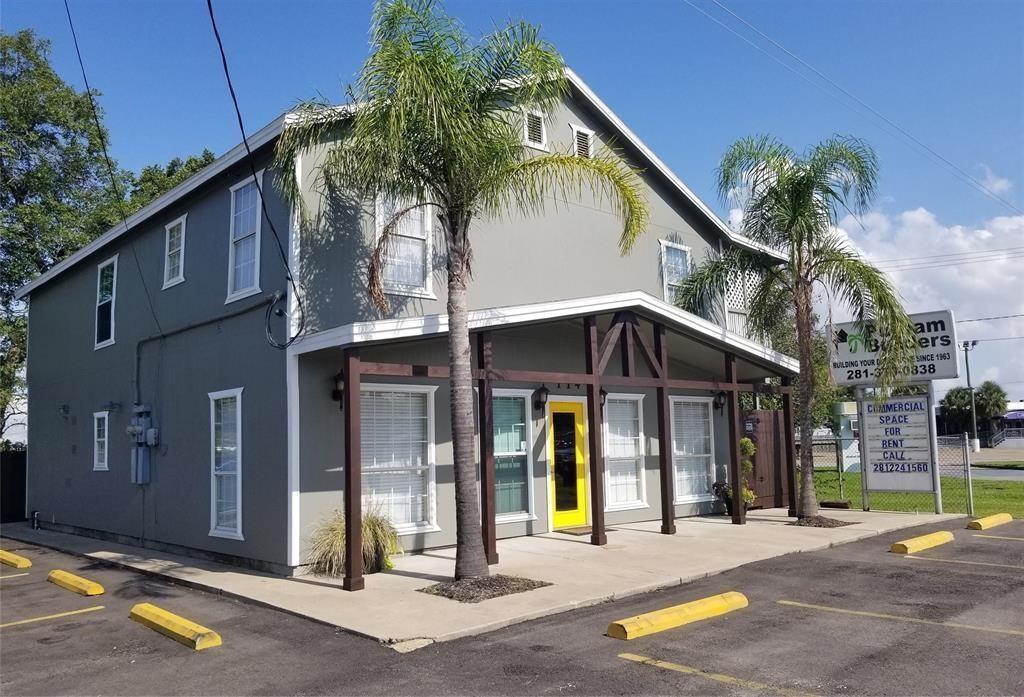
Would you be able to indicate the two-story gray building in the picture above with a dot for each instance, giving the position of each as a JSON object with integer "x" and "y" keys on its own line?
{"x": 600, "y": 402}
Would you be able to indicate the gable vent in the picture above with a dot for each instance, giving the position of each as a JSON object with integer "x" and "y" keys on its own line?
{"x": 583, "y": 143}
{"x": 534, "y": 129}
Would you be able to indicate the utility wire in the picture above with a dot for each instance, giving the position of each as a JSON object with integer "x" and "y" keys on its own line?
{"x": 1002, "y": 338}
{"x": 951, "y": 166}
{"x": 951, "y": 254}
{"x": 110, "y": 167}
{"x": 263, "y": 204}
{"x": 986, "y": 319}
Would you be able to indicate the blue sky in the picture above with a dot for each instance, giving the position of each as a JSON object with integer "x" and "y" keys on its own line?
{"x": 951, "y": 73}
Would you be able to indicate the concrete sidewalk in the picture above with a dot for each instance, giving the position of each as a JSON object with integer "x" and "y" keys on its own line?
{"x": 636, "y": 559}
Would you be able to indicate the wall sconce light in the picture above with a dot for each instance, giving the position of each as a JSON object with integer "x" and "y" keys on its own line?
{"x": 604, "y": 396}
{"x": 64, "y": 410}
{"x": 339, "y": 386}
{"x": 541, "y": 398}
{"x": 111, "y": 406}
{"x": 719, "y": 401}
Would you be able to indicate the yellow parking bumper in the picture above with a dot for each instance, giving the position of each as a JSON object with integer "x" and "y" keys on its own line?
{"x": 916, "y": 544}
{"x": 676, "y": 616}
{"x": 176, "y": 627}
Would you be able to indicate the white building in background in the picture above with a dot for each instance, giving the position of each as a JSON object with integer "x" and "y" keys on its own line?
{"x": 848, "y": 432}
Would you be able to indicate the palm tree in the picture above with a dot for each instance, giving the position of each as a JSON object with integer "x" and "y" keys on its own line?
{"x": 990, "y": 402}
{"x": 792, "y": 204}
{"x": 435, "y": 123}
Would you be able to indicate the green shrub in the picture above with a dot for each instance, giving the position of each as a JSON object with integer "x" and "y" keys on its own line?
{"x": 327, "y": 544}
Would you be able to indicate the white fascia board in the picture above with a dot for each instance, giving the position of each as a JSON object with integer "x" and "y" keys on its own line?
{"x": 635, "y": 141}
{"x": 426, "y": 325}
{"x": 218, "y": 166}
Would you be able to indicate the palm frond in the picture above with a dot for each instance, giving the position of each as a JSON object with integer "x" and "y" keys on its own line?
{"x": 529, "y": 185}
{"x": 702, "y": 292}
{"x": 375, "y": 272}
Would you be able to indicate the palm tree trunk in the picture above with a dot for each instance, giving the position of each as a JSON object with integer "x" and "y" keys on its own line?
{"x": 470, "y": 560}
{"x": 808, "y": 503}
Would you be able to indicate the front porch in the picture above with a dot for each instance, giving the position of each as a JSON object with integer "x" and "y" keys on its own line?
{"x": 674, "y": 379}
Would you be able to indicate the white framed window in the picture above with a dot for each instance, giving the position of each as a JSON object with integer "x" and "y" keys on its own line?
{"x": 397, "y": 435}
{"x": 693, "y": 448}
{"x": 513, "y": 455}
{"x": 408, "y": 257}
{"x": 106, "y": 300}
{"x": 625, "y": 487}
{"x": 174, "y": 252}
{"x": 675, "y": 266}
{"x": 100, "y": 440}
{"x": 244, "y": 239}
{"x": 582, "y": 141}
{"x": 535, "y": 130}
{"x": 226, "y": 464}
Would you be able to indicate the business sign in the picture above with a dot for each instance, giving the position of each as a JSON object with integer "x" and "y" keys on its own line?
{"x": 898, "y": 444}
{"x": 855, "y": 350}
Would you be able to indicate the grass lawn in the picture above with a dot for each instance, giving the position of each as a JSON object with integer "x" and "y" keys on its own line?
{"x": 1007, "y": 465}
{"x": 990, "y": 496}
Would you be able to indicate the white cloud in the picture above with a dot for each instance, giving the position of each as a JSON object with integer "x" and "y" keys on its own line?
{"x": 993, "y": 182}
{"x": 984, "y": 289}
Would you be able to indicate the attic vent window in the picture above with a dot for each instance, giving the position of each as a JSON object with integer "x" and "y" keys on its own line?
{"x": 582, "y": 141}
{"x": 534, "y": 132}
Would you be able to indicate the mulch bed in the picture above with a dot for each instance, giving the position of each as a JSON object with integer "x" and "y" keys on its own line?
{"x": 474, "y": 590}
{"x": 820, "y": 521}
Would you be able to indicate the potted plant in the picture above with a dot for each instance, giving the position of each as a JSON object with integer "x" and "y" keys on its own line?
{"x": 723, "y": 490}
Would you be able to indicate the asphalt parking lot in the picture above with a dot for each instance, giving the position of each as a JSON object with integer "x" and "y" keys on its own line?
{"x": 854, "y": 619}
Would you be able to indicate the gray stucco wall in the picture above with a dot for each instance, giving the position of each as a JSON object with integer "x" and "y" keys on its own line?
{"x": 570, "y": 251}
{"x": 322, "y": 441}
{"x": 176, "y": 376}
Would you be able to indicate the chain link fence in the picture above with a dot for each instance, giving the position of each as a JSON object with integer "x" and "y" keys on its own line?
{"x": 837, "y": 479}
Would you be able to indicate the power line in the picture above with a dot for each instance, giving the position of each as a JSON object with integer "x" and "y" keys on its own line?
{"x": 937, "y": 265}
{"x": 986, "y": 319}
{"x": 110, "y": 167}
{"x": 950, "y": 166}
{"x": 1002, "y": 338}
{"x": 263, "y": 205}
{"x": 951, "y": 254}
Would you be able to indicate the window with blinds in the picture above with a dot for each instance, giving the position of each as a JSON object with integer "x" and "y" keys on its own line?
{"x": 624, "y": 456}
{"x": 226, "y": 463}
{"x": 244, "y": 249}
{"x": 534, "y": 132}
{"x": 396, "y": 449}
{"x": 511, "y": 456}
{"x": 675, "y": 266}
{"x": 407, "y": 266}
{"x": 692, "y": 448}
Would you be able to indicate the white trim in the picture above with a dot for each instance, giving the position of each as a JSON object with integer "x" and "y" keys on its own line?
{"x": 662, "y": 246}
{"x": 429, "y": 390}
{"x": 642, "y": 474}
{"x": 236, "y": 154}
{"x": 255, "y": 287}
{"x": 292, "y": 387}
{"x": 673, "y": 399}
{"x": 426, "y": 325}
{"x": 180, "y": 278}
{"x": 96, "y": 416}
{"x": 635, "y": 141}
{"x": 577, "y": 129}
{"x": 427, "y": 290}
{"x": 215, "y": 531}
{"x": 543, "y": 145}
{"x": 113, "y": 305}
{"x": 549, "y": 466}
{"x": 531, "y": 512}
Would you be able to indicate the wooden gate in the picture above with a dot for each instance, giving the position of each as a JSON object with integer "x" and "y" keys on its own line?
{"x": 769, "y": 481}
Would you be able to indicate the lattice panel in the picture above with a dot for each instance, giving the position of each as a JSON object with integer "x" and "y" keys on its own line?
{"x": 739, "y": 291}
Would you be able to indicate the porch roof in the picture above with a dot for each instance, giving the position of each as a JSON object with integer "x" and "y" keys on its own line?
{"x": 677, "y": 320}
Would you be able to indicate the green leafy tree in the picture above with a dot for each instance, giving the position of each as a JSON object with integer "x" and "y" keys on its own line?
{"x": 989, "y": 402}
{"x": 956, "y": 409}
{"x": 435, "y": 125}
{"x": 55, "y": 189}
{"x": 793, "y": 202}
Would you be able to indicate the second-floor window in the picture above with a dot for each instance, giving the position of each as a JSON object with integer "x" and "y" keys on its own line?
{"x": 174, "y": 252}
{"x": 106, "y": 297}
{"x": 407, "y": 259}
{"x": 675, "y": 266}
{"x": 244, "y": 252}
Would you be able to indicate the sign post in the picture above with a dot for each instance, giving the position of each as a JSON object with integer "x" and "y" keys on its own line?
{"x": 898, "y": 443}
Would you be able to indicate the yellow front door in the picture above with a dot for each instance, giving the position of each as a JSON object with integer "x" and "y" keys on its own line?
{"x": 568, "y": 465}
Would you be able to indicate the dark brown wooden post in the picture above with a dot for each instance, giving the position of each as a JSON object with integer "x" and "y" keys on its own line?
{"x": 790, "y": 459}
{"x": 666, "y": 470}
{"x": 595, "y": 430}
{"x": 628, "y": 352}
{"x": 739, "y": 512}
{"x": 487, "y": 512}
{"x": 353, "y": 580}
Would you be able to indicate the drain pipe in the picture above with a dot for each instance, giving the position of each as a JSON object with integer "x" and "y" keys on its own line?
{"x": 266, "y": 300}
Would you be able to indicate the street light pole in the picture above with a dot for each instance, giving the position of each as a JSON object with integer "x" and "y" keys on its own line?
{"x": 968, "y": 346}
